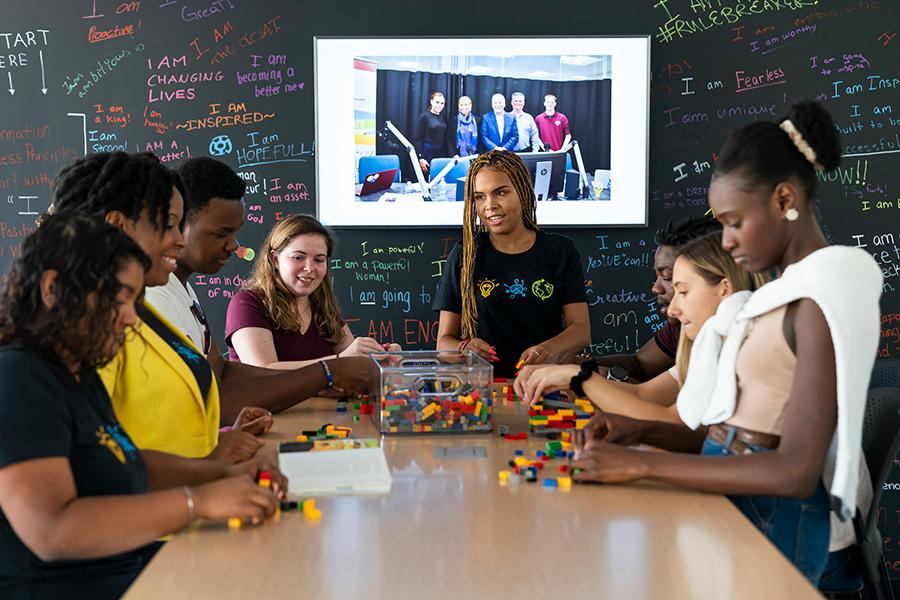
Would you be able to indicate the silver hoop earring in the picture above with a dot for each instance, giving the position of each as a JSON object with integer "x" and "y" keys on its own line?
{"x": 791, "y": 214}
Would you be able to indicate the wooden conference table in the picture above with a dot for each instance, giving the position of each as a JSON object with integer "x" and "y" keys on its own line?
{"x": 449, "y": 530}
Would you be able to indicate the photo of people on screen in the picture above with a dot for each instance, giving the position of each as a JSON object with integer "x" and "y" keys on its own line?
{"x": 466, "y": 129}
{"x": 498, "y": 128}
{"x": 421, "y": 149}
{"x": 431, "y": 131}
{"x": 553, "y": 125}
{"x": 529, "y": 139}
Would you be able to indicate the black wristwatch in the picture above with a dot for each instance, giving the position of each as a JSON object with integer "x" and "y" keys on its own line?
{"x": 617, "y": 374}
{"x": 588, "y": 368}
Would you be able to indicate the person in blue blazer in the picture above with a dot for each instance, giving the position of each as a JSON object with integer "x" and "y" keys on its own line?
{"x": 490, "y": 126}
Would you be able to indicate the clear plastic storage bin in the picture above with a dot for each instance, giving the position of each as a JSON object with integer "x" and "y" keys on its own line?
{"x": 431, "y": 391}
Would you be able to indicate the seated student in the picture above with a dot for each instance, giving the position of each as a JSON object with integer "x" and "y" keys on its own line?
{"x": 287, "y": 315}
{"x": 658, "y": 354}
{"x": 510, "y": 292}
{"x": 80, "y": 506}
{"x": 213, "y": 215}
{"x": 161, "y": 387}
{"x": 498, "y": 128}
{"x": 780, "y": 378}
{"x": 703, "y": 275}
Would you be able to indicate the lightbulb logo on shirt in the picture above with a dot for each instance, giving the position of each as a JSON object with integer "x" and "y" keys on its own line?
{"x": 486, "y": 286}
{"x": 542, "y": 288}
{"x": 116, "y": 441}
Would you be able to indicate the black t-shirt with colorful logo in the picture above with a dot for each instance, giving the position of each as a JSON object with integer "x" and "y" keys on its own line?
{"x": 519, "y": 296}
{"x": 45, "y": 413}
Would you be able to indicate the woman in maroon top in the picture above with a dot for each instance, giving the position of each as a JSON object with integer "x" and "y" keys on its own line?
{"x": 287, "y": 315}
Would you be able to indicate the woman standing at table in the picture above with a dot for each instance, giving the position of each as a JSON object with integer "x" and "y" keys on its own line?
{"x": 431, "y": 131}
{"x": 780, "y": 380}
{"x": 79, "y": 503}
{"x": 510, "y": 292}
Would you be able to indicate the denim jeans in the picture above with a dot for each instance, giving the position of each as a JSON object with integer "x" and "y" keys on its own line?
{"x": 798, "y": 528}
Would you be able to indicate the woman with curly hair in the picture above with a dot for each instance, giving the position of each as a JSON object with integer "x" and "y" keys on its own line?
{"x": 161, "y": 386}
{"x": 80, "y": 504}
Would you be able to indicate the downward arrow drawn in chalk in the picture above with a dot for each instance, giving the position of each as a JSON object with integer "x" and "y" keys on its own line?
{"x": 12, "y": 90}
{"x": 43, "y": 81}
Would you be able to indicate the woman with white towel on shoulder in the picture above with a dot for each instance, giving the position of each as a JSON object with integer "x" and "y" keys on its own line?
{"x": 774, "y": 397}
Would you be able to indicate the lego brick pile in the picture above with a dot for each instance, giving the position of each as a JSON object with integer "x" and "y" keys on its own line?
{"x": 552, "y": 416}
{"x": 406, "y": 410}
{"x": 325, "y": 432}
{"x": 527, "y": 469}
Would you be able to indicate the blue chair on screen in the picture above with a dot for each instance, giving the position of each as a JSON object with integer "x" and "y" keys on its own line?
{"x": 378, "y": 163}
{"x": 459, "y": 169}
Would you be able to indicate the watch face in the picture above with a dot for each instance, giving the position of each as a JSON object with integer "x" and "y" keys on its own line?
{"x": 618, "y": 373}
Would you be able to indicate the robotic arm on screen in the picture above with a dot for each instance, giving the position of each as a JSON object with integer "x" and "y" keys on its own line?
{"x": 585, "y": 182}
{"x": 413, "y": 157}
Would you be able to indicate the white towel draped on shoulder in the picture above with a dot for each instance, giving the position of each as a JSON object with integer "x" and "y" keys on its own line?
{"x": 846, "y": 285}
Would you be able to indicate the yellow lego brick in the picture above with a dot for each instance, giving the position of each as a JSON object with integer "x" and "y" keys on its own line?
{"x": 234, "y": 523}
{"x": 301, "y": 438}
{"x": 428, "y": 428}
{"x": 564, "y": 483}
{"x": 385, "y": 413}
{"x": 566, "y": 412}
{"x": 478, "y": 408}
{"x": 580, "y": 423}
{"x": 504, "y": 475}
{"x": 521, "y": 461}
{"x": 312, "y": 515}
{"x": 566, "y": 446}
{"x": 392, "y": 429}
{"x": 565, "y": 436}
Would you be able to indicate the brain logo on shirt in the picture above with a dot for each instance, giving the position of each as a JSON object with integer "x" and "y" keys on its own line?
{"x": 542, "y": 288}
{"x": 516, "y": 289}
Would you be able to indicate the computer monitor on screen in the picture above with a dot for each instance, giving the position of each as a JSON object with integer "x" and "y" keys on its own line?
{"x": 548, "y": 172}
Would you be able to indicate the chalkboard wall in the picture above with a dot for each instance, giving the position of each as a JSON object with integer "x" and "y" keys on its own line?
{"x": 180, "y": 78}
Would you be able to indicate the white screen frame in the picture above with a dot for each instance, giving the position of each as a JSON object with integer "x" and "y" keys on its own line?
{"x": 336, "y": 203}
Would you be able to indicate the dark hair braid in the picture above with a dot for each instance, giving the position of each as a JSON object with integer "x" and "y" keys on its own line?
{"x": 131, "y": 183}
{"x": 679, "y": 233}
{"x": 765, "y": 154}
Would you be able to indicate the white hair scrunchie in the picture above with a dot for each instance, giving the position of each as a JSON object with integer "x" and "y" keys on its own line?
{"x": 797, "y": 138}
